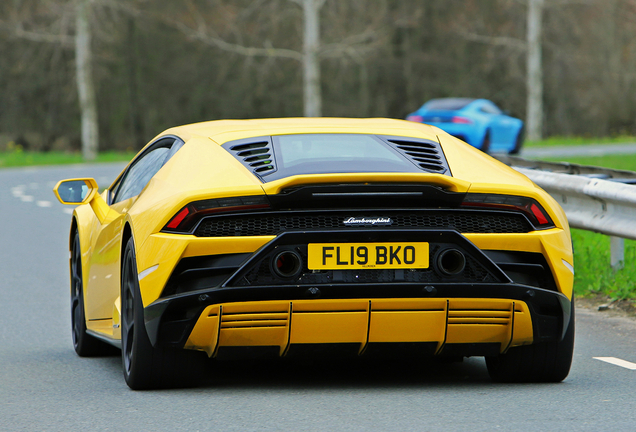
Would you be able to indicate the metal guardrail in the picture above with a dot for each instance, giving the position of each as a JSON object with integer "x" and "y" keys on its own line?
{"x": 595, "y": 199}
{"x": 621, "y": 176}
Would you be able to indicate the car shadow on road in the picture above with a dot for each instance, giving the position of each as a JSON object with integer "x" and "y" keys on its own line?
{"x": 344, "y": 373}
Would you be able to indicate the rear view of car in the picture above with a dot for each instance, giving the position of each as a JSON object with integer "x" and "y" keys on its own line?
{"x": 478, "y": 122}
{"x": 343, "y": 237}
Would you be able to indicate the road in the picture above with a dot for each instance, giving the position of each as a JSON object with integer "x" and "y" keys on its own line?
{"x": 44, "y": 386}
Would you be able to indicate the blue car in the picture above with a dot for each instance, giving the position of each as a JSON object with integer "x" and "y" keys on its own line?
{"x": 479, "y": 122}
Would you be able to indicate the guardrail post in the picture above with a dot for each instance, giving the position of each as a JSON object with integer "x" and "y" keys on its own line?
{"x": 617, "y": 250}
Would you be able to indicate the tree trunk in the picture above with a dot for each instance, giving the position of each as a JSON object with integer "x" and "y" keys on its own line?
{"x": 311, "y": 63}
{"x": 85, "y": 88}
{"x": 534, "y": 110}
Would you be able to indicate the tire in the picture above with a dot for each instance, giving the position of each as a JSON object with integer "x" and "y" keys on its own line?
{"x": 541, "y": 362}
{"x": 85, "y": 345}
{"x": 147, "y": 367}
{"x": 485, "y": 144}
{"x": 519, "y": 141}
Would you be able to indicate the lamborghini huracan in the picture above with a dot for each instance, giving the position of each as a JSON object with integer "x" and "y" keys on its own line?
{"x": 318, "y": 236}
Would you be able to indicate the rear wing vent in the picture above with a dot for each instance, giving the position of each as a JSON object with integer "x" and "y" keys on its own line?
{"x": 255, "y": 153}
{"x": 426, "y": 154}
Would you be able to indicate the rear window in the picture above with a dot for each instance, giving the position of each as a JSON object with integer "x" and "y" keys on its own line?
{"x": 450, "y": 104}
{"x": 275, "y": 157}
{"x": 336, "y": 153}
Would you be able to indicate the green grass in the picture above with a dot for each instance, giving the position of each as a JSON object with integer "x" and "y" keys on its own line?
{"x": 17, "y": 158}
{"x": 622, "y": 162}
{"x": 574, "y": 141}
{"x": 593, "y": 275}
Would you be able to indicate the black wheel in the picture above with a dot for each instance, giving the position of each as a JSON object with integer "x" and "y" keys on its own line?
{"x": 145, "y": 366}
{"x": 541, "y": 362}
{"x": 485, "y": 144}
{"x": 85, "y": 345}
{"x": 519, "y": 141}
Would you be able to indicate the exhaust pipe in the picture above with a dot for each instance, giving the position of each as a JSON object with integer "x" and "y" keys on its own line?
{"x": 451, "y": 262}
{"x": 287, "y": 264}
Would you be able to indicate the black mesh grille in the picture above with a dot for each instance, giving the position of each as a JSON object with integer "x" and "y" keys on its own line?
{"x": 465, "y": 221}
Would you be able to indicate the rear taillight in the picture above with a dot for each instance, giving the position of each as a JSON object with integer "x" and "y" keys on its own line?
{"x": 188, "y": 216}
{"x": 415, "y": 118}
{"x": 528, "y": 206}
{"x": 461, "y": 120}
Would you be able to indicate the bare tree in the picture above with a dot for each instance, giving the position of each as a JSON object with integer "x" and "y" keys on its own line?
{"x": 59, "y": 32}
{"x": 84, "y": 77}
{"x": 311, "y": 62}
{"x": 309, "y": 57}
{"x": 534, "y": 73}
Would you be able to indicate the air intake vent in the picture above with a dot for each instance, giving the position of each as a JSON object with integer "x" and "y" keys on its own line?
{"x": 426, "y": 154}
{"x": 255, "y": 153}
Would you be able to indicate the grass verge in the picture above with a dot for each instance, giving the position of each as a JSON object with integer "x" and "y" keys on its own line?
{"x": 593, "y": 275}
{"x": 575, "y": 141}
{"x": 622, "y": 162}
{"x": 23, "y": 158}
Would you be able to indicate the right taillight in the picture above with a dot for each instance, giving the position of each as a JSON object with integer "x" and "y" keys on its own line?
{"x": 188, "y": 216}
{"x": 528, "y": 206}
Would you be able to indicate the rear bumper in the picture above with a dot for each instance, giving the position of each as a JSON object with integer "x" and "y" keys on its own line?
{"x": 441, "y": 319}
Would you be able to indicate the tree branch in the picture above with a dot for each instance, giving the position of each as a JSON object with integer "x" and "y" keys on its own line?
{"x": 506, "y": 41}
{"x": 357, "y": 43}
{"x": 202, "y": 35}
{"x": 36, "y": 36}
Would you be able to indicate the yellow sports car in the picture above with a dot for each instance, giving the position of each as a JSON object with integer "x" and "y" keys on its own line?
{"x": 289, "y": 237}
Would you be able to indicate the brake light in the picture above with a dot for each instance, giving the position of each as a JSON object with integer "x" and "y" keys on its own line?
{"x": 461, "y": 120}
{"x": 188, "y": 216}
{"x": 415, "y": 118}
{"x": 528, "y": 206}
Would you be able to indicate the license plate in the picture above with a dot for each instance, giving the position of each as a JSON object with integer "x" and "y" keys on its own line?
{"x": 338, "y": 256}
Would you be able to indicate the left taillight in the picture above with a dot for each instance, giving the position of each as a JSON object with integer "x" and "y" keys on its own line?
{"x": 528, "y": 206}
{"x": 186, "y": 218}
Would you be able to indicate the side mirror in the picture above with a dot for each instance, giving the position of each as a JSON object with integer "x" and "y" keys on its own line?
{"x": 76, "y": 191}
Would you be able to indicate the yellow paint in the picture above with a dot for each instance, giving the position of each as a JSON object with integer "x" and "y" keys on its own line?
{"x": 267, "y": 323}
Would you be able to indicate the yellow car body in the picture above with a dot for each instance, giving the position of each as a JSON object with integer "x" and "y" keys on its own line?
{"x": 444, "y": 316}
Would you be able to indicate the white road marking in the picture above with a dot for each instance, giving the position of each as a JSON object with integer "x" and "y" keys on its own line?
{"x": 618, "y": 362}
{"x": 68, "y": 210}
{"x": 18, "y": 191}
{"x": 26, "y": 198}
{"x": 43, "y": 203}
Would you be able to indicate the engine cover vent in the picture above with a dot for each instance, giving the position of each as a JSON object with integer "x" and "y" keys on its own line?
{"x": 426, "y": 154}
{"x": 256, "y": 154}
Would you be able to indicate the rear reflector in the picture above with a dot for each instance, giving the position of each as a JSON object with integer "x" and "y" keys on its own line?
{"x": 178, "y": 218}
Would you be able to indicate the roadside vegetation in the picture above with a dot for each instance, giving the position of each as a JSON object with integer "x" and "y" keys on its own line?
{"x": 16, "y": 157}
{"x": 577, "y": 140}
{"x": 621, "y": 162}
{"x": 593, "y": 275}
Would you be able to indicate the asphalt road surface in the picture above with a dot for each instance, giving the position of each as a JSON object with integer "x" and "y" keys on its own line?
{"x": 45, "y": 386}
